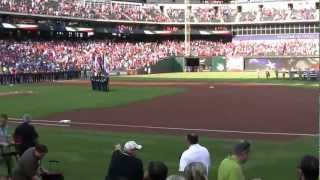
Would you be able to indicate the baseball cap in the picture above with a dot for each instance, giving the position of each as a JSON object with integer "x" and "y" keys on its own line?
{"x": 131, "y": 145}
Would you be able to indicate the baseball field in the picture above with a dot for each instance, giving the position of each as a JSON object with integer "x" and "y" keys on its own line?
{"x": 279, "y": 117}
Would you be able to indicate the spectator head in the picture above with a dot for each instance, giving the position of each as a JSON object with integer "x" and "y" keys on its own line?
{"x": 3, "y": 120}
{"x": 242, "y": 151}
{"x": 195, "y": 171}
{"x": 40, "y": 150}
{"x": 309, "y": 168}
{"x": 26, "y": 118}
{"x": 131, "y": 147}
{"x": 157, "y": 171}
{"x": 192, "y": 138}
{"x": 175, "y": 177}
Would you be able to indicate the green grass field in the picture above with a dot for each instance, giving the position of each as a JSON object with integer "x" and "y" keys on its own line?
{"x": 84, "y": 154}
{"x": 50, "y": 99}
{"x": 237, "y": 77}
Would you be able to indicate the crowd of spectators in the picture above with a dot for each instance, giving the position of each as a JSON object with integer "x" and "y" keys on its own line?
{"x": 279, "y": 14}
{"x": 216, "y": 14}
{"x": 79, "y": 8}
{"x": 194, "y": 164}
{"x": 52, "y": 56}
{"x": 231, "y": 14}
{"x": 152, "y": 13}
{"x": 30, "y": 56}
{"x": 176, "y": 14}
{"x": 282, "y": 48}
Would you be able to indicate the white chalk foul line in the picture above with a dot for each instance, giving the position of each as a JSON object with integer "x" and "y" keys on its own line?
{"x": 56, "y": 123}
{"x": 44, "y": 124}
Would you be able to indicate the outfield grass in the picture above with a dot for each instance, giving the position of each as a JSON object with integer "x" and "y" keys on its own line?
{"x": 84, "y": 155}
{"x": 50, "y": 99}
{"x": 238, "y": 77}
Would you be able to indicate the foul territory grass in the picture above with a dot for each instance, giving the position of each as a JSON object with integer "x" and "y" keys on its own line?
{"x": 50, "y": 99}
{"x": 237, "y": 77}
{"x": 85, "y": 155}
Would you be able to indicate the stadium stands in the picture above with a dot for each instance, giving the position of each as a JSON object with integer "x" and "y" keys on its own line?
{"x": 31, "y": 56}
{"x": 268, "y": 12}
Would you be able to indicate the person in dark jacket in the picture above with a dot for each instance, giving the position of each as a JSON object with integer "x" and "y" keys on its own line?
{"x": 124, "y": 164}
{"x": 25, "y": 135}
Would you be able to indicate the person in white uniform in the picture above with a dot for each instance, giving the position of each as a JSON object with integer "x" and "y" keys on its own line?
{"x": 195, "y": 153}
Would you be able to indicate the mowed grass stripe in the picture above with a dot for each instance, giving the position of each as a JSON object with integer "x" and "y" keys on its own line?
{"x": 223, "y": 77}
{"x": 50, "y": 99}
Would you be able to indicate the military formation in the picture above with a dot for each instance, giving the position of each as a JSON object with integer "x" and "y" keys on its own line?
{"x": 100, "y": 83}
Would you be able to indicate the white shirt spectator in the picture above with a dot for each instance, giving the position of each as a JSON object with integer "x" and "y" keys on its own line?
{"x": 195, "y": 153}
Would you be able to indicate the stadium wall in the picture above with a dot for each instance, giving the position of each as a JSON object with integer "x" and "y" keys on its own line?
{"x": 281, "y": 63}
{"x": 240, "y": 63}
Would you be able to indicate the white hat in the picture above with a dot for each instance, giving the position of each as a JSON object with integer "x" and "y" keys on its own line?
{"x": 131, "y": 145}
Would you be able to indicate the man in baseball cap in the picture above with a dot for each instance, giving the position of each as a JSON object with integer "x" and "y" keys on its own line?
{"x": 131, "y": 146}
{"x": 124, "y": 164}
